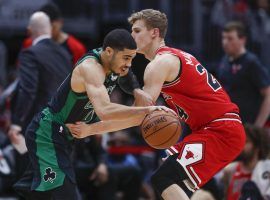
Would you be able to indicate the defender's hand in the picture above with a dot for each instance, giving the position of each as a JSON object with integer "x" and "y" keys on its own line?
{"x": 162, "y": 108}
{"x": 142, "y": 98}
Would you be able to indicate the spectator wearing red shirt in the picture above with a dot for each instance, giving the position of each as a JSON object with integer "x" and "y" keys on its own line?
{"x": 74, "y": 47}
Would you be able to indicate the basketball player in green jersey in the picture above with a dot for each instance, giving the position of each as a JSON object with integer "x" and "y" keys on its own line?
{"x": 83, "y": 96}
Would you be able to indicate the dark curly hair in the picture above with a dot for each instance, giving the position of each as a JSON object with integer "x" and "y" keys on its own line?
{"x": 260, "y": 139}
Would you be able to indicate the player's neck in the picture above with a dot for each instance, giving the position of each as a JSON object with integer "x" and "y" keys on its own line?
{"x": 151, "y": 53}
{"x": 105, "y": 63}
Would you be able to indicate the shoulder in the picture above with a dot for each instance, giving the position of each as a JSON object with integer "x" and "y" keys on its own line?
{"x": 28, "y": 53}
{"x": 252, "y": 59}
{"x": 254, "y": 63}
{"x": 90, "y": 68}
{"x": 251, "y": 56}
{"x": 44, "y": 45}
{"x": 48, "y": 49}
{"x": 167, "y": 58}
{"x": 90, "y": 64}
{"x": 163, "y": 68}
{"x": 164, "y": 60}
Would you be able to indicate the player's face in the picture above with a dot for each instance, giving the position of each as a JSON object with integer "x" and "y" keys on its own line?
{"x": 232, "y": 43}
{"x": 142, "y": 36}
{"x": 120, "y": 61}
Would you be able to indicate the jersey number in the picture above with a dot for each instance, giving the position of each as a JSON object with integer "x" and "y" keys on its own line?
{"x": 181, "y": 112}
{"x": 211, "y": 81}
{"x": 89, "y": 116}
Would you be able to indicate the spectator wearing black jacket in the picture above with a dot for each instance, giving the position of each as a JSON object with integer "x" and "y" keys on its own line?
{"x": 42, "y": 68}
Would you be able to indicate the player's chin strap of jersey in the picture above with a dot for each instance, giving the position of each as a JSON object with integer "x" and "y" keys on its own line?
{"x": 128, "y": 83}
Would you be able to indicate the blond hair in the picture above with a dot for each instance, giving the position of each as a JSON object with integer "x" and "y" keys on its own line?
{"x": 153, "y": 19}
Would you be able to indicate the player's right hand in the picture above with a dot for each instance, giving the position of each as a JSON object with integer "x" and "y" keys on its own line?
{"x": 162, "y": 108}
{"x": 142, "y": 98}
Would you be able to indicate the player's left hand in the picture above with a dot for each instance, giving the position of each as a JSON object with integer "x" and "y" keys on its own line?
{"x": 79, "y": 129}
{"x": 142, "y": 98}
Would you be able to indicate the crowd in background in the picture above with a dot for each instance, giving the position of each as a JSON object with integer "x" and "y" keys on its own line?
{"x": 234, "y": 45}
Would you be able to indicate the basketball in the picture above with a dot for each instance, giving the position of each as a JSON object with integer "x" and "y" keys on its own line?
{"x": 161, "y": 129}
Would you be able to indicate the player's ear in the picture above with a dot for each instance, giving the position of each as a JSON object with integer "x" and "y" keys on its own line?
{"x": 109, "y": 51}
{"x": 155, "y": 32}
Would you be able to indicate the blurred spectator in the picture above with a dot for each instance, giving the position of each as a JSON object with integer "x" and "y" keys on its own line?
{"x": 124, "y": 169}
{"x": 89, "y": 157}
{"x": 42, "y": 68}
{"x": 250, "y": 191}
{"x": 239, "y": 172}
{"x": 74, "y": 47}
{"x": 7, "y": 163}
{"x": 228, "y": 10}
{"x": 3, "y": 58}
{"x": 112, "y": 175}
{"x": 243, "y": 76}
{"x": 261, "y": 176}
{"x": 213, "y": 188}
{"x": 220, "y": 13}
{"x": 260, "y": 29}
{"x": 202, "y": 195}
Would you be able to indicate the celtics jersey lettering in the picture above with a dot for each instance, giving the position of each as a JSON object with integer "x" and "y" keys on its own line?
{"x": 69, "y": 106}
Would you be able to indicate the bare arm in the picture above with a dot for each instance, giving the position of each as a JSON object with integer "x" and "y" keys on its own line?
{"x": 114, "y": 116}
{"x": 93, "y": 78}
{"x": 142, "y": 98}
{"x": 265, "y": 107}
{"x": 82, "y": 130}
{"x": 161, "y": 69}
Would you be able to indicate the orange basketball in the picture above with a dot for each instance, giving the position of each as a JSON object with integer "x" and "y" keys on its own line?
{"x": 161, "y": 129}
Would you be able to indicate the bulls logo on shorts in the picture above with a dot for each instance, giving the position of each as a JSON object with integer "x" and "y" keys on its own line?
{"x": 191, "y": 154}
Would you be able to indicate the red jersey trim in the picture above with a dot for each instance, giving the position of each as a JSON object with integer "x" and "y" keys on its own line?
{"x": 160, "y": 48}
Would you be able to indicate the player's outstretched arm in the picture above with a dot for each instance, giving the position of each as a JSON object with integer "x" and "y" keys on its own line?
{"x": 82, "y": 130}
{"x": 93, "y": 77}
